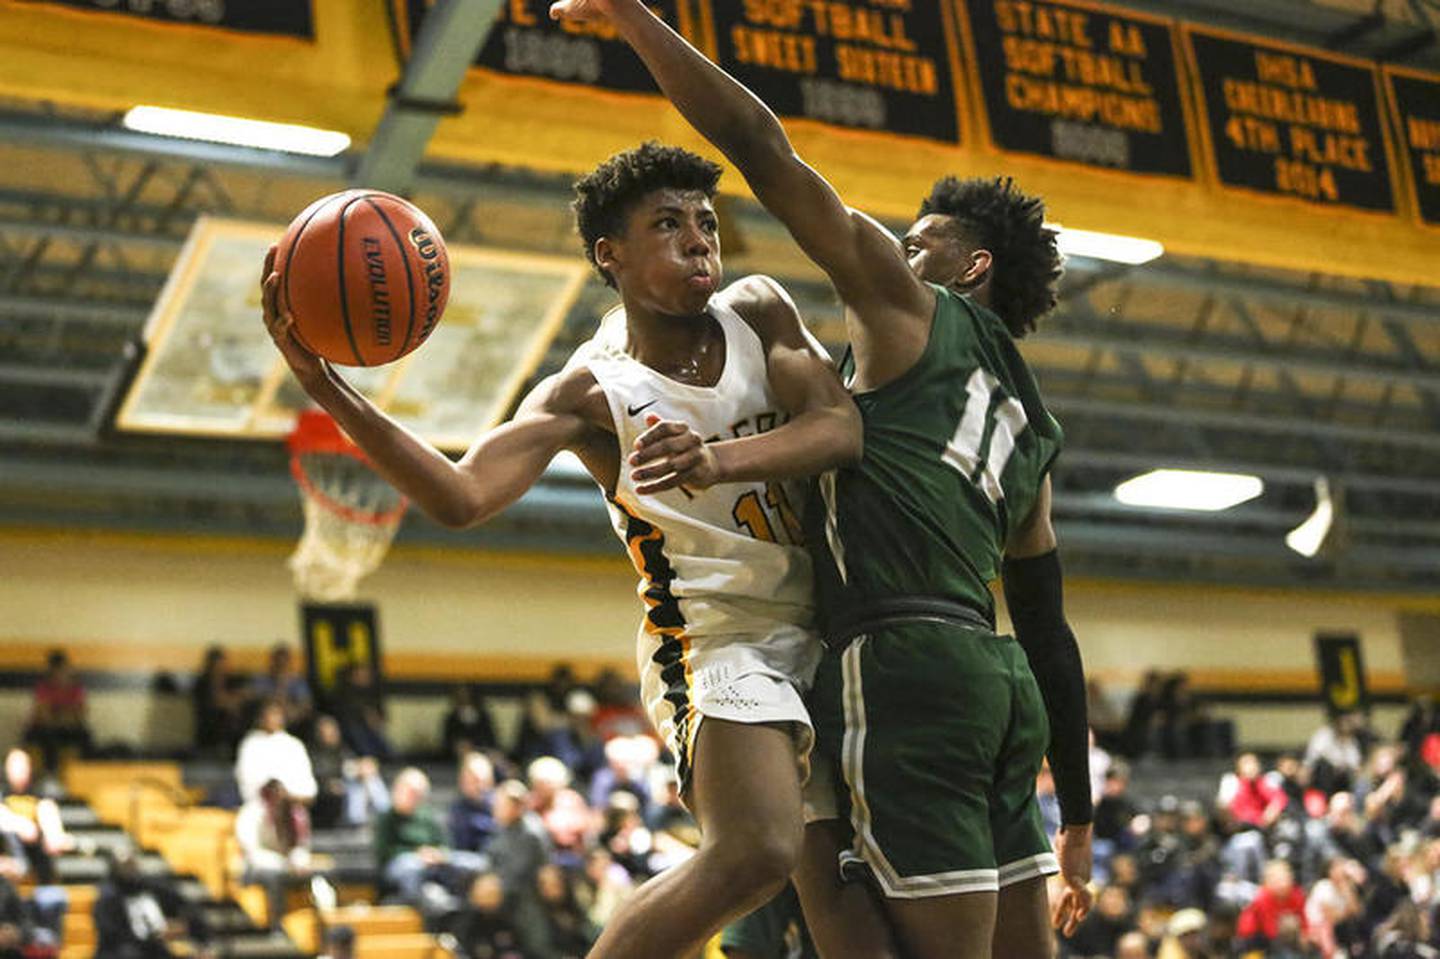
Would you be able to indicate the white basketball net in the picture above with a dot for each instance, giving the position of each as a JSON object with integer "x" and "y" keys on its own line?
{"x": 351, "y": 514}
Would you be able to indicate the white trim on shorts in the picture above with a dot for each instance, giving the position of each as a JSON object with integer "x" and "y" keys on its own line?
{"x": 894, "y": 885}
{"x": 1031, "y": 867}
{"x": 852, "y": 759}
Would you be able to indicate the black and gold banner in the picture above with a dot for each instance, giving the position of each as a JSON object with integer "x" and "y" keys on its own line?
{"x": 866, "y": 64}
{"x": 1415, "y": 98}
{"x": 291, "y": 18}
{"x": 1291, "y": 121}
{"x": 1081, "y": 82}
{"x": 1342, "y": 672}
{"x": 337, "y": 636}
{"x": 526, "y": 42}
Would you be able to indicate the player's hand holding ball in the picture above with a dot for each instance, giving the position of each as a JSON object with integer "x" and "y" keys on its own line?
{"x": 306, "y": 366}
{"x": 670, "y": 454}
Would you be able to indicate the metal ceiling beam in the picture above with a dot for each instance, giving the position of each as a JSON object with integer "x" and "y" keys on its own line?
{"x": 448, "y": 43}
{"x": 1140, "y": 339}
{"x": 1282, "y": 295}
{"x": 81, "y": 233}
{"x": 1192, "y": 416}
{"x": 76, "y": 379}
{"x": 93, "y": 311}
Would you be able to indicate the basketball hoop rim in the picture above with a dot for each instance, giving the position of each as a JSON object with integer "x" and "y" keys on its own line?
{"x": 317, "y": 432}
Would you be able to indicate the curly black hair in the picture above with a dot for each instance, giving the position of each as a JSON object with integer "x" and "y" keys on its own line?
{"x": 605, "y": 196}
{"x": 995, "y": 215}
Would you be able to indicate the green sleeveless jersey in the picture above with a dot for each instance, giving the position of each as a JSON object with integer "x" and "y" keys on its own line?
{"x": 956, "y": 451}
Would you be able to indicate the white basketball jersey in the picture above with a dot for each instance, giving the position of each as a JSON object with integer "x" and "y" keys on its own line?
{"x": 721, "y": 561}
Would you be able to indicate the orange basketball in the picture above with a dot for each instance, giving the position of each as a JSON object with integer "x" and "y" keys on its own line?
{"x": 365, "y": 275}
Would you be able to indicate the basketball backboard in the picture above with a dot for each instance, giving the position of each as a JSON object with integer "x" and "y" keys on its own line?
{"x": 210, "y": 369}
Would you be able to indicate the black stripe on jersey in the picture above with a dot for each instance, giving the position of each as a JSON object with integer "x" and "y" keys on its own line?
{"x": 663, "y": 618}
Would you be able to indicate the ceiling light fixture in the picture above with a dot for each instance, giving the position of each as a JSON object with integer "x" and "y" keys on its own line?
{"x": 1189, "y": 489}
{"x": 1130, "y": 250}
{"x": 1307, "y": 538}
{"x": 217, "y": 128}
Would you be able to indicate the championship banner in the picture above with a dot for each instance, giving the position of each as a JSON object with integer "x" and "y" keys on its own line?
{"x": 292, "y": 18}
{"x": 1290, "y": 121}
{"x": 337, "y": 636}
{"x": 1415, "y": 98}
{"x": 869, "y": 64}
{"x": 1078, "y": 81}
{"x": 1342, "y": 672}
{"x": 526, "y": 42}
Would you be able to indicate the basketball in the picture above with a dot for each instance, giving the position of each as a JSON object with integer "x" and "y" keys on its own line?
{"x": 365, "y": 275}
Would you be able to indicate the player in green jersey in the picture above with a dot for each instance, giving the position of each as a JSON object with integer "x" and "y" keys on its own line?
{"x": 937, "y": 723}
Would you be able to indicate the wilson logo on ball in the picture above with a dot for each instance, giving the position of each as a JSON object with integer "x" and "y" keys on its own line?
{"x": 365, "y": 275}
{"x": 437, "y": 281}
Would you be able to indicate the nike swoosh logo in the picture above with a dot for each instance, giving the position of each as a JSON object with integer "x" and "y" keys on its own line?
{"x": 637, "y": 410}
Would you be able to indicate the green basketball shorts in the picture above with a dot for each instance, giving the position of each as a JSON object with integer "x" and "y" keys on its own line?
{"x": 932, "y": 735}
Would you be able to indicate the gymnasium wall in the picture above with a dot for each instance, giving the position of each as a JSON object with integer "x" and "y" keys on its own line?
{"x": 133, "y": 605}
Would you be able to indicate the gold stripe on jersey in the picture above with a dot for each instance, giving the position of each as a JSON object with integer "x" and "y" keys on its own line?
{"x": 663, "y": 618}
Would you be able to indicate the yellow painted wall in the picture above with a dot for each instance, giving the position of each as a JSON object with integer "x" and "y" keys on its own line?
{"x": 147, "y": 603}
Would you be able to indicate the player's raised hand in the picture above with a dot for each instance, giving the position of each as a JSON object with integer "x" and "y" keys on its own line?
{"x": 281, "y": 326}
{"x": 1072, "y": 848}
{"x": 670, "y": 454}
{"x": 581, "y": 11}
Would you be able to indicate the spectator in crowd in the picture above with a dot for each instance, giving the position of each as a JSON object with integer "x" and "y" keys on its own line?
{"x": 1185, "y": 936}
{"x": 603, "y": 885}
{"x": 412, "y": 854}
{"x": 467, "y": 726}
{"x": 1334, "y": 909}
{"x": 1133, "y": 945}
{"x": 486, "y": 929}
{"x": 571, "y": 738}
{"x": 360, "y": 710}
{"x": 282, "y": 683}
{"x": 16, "y": 933}
{"x": 1422, "y": 720}
{"x": 567, "y": 932}
{"x": 58, "y": 720}
{"x": 1292, "y": 779}
{"x": 349, "y": 791}
{"x": 625, "y": 835}
{"x": 273, "y": 830}
{"x": 472, "y": 816}
{"x": 1100, "y": 933}
{"x": 219, "y": 705}
{"x": 269, "y": 752}
{"x": 1333, "y": 755}
{"x": 1260, "y": 922}
{"x": 545, "y": 712}
{"x": 617, "y": 708}
{"x": 33, "y": 819}
{"x": 1140, "y": 724}
{"x": 1250, "y": 797}
{"x": 628, "y": 759}
{"x": 131, "y": 921}
{"x": 519, "y": 845}
{"x": 1107, "y": 723}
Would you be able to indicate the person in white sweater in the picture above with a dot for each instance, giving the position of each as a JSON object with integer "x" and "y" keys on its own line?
{"x": 268, "y": 752}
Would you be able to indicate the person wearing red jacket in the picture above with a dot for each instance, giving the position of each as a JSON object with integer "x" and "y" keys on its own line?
{"x": 1255, "y": 801}
{"x": 1260, "y": 922}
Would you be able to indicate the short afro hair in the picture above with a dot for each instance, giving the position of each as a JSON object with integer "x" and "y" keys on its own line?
{"x": 994, "y": 215}
{"x": 605, "y": 196}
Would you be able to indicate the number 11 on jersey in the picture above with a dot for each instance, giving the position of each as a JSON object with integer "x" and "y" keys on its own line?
{"x": 751, "y": 516}
{"x": 968, "y": 452}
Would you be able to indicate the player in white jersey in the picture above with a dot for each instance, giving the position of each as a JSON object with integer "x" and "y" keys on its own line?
{"x": 707, "y": 518}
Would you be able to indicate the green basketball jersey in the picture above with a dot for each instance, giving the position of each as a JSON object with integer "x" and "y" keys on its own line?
{"x": 956, "y": 450}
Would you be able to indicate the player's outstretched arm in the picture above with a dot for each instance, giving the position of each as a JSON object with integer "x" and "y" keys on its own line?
{"x": 494, "y": 473}
{"x": 862, "y": 258}
{"x": 1033, "y": 593}
{"x": 824, "y": 430}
